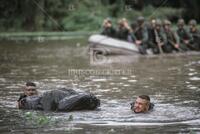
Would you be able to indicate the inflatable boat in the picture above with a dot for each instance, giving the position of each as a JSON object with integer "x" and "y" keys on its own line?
{"x": 107, "y": 45}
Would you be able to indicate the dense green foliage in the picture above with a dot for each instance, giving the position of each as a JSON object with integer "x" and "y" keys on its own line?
{"x": 39, "y": 120}
{"x": 86, "y": 15}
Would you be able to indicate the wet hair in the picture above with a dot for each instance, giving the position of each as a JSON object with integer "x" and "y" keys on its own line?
{"x": 30, "y": 84}
{"x": 145, "y": 97}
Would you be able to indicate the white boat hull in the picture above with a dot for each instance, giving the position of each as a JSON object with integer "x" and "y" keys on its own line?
{"x": 107, "y": 45}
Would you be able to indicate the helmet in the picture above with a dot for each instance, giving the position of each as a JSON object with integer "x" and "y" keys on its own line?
{"x": 158, "y": 22}
{"x": 153, "y": 21}
{"x": 109, "y": 20}
{"x": 140, "y": 19}
{"x": 167, "y": 22}
{"x": 181, "y": 22}
{"x": 193, "y": 22}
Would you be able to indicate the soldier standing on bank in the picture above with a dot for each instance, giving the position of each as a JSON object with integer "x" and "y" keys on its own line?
{"x": 195, "y": 34}
{"x": 184, "y": 36}
{"x": 172, "y": 38}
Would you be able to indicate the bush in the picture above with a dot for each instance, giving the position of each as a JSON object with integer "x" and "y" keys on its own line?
{"x": 87, "y": 15}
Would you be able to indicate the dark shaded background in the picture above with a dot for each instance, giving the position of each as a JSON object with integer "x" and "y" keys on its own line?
{"x": 76, "y": 15}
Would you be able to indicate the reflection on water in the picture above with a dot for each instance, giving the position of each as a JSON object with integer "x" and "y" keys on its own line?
{"x": 172, "y": 81}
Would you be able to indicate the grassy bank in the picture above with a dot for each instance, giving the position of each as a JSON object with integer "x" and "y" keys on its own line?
{"x": 41, "y": 36}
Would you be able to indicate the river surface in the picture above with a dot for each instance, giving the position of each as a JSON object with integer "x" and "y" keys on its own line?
{"x": 172, "y": 81}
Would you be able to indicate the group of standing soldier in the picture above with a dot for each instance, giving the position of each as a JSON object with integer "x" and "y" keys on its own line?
{"x": 156, "y": 35}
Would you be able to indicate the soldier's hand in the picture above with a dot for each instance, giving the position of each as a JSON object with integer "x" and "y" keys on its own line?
{"x": 20, "y": 104}
{"x": 126, "y": 25}
{"x": 186, "y": 41}
{"x": 108, "y": 25}
{"x": 138, "y": 42}
{"x": 176, "y": 45}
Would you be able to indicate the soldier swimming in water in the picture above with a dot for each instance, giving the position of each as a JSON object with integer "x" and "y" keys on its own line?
{"x": 142, "y": 104}
{"x": 56, "y": 100}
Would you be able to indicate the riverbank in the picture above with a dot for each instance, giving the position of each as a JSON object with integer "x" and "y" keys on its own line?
{"x": 43, "y": 36}
{"x": 46, "y": 36}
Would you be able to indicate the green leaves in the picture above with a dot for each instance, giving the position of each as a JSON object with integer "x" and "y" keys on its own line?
{"x": 77, "y": 15}
{"x": 36, "y": 119}
{"x": 39, "y": 119}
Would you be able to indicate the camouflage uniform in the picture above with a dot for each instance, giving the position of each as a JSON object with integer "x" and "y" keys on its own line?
{"x": 184, "y": 36}
{"x": 150, "y": 29}
{"x": 132, "y": 33}
{"x": 153, "y": 44}
{"x": 195, "y": 34}
{"x": 122, "y": 33}
{"x": 108, "y": 30}
{"x": 141, "y": 34}
{"x": 172, "y": 38}
{"x": 123, "y": 30}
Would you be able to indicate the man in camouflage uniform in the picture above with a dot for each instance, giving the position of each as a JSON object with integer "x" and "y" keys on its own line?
{"x": 108, "y": 29}
{"x": 140, "y": 35}
{"x": 195, "y": 34}
{"x": 158, "y": 39}
{"x": 123, "y": 30}
{"x": 184, "y": 36}
{"x": 150, "y": 28}
{"x": 172, "y": 38}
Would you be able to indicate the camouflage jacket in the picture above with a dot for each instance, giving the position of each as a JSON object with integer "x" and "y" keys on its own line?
{"x": 183, "y": 34}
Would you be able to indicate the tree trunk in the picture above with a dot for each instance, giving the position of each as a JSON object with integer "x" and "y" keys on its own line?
{"x": 39, "y": 15}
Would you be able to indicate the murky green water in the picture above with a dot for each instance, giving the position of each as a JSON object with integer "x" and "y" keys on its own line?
{"x": 172, "y": 81}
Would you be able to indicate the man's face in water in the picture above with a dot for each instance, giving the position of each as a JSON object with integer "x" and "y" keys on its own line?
{"x": 141, "y": 105}
{"x": 30, "y": 90}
